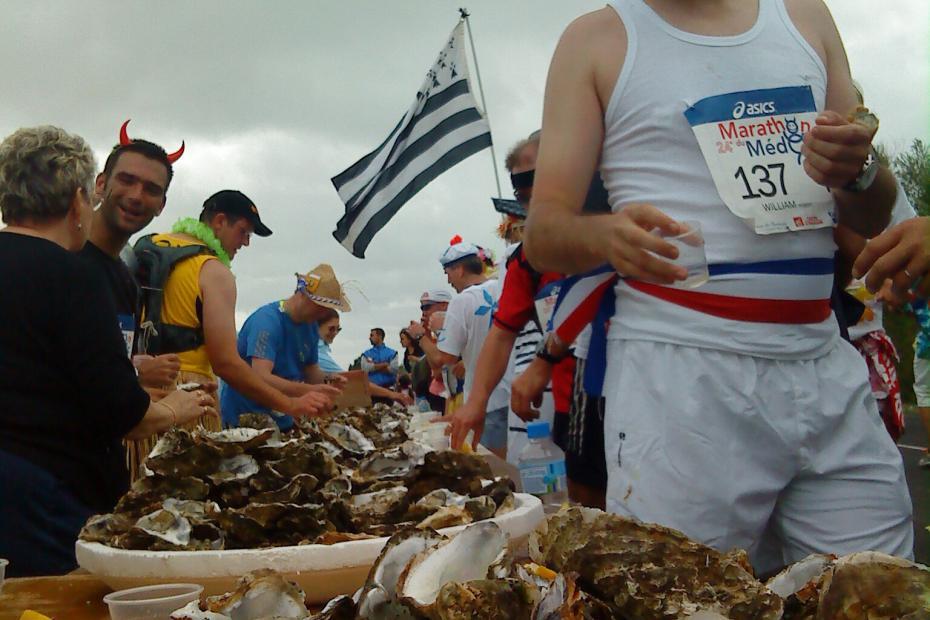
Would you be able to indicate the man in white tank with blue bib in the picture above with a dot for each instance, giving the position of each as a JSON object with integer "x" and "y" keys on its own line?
{"x": 735, "y": 412}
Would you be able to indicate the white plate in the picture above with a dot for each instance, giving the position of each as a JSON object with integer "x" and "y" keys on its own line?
{"x": 323, "y": 571}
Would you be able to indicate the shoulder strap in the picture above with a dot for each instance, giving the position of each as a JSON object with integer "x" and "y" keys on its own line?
{"x": 155, "y": 262}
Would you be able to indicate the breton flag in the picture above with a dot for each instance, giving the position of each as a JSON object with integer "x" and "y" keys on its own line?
{"x": 442, "y": 127}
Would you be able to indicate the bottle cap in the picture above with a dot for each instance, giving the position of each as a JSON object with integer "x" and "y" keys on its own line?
{"x": 537, "y": 430}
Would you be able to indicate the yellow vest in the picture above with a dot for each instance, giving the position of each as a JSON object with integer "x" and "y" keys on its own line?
{"x": 181, "y": 299}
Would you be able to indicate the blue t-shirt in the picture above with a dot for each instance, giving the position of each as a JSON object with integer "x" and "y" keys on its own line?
{"x": 325, "y": 358}
{"x": 269, "y": 333}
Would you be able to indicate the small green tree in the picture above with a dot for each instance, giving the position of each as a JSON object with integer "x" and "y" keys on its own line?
{"x": 912, "y": 168}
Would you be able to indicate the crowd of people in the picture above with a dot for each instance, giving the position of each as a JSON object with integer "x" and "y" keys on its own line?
{"x": 754, "y": 411}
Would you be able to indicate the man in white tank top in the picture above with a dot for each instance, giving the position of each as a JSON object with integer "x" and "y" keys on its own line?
{"x": 735, "y": 413}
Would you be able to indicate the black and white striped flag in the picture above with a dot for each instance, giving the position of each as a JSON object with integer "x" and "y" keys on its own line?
{"x": 442, "y": 127}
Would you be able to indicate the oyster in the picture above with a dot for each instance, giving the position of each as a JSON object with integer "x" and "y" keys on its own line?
{"x": 487, "y": 599}
{"x": 501, "y": 490}
{"x": 800, "y": 585}
{"x": 458, "y": 472}
{"x": 260, "y": 421}
{"x": 395, "y": 463}
{"x": 104, "y": 528}
{"x": 233, "y": 441}
{"x": 148, "y": 493}
{"x": 164, "y": 529}
{"x": 447, "y": 516}
{"x": 875, "y": 586}
{"x": 378, "y": 597}
{"x": 466, "y": 557}
{"x": 305, "y": 458}
{"x": 378, "y": 506}
{"x": 261, "y": 594}
{"x": 349, "y": 438}
{"x": 239, "y": 467}
{"x": 862, "y": 116}
{"x": 648, "y": 571}
{"x": 564, "y": 600}
{"x": 177, "y": 455}
{"x": 298, "y": 491}
{"x": 192, "y": 611}
{"x": 432, "y": 502}
{"x": 340, "y": 608}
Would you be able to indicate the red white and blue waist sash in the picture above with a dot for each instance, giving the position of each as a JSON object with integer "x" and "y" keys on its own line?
{"x": 793, "y": 291}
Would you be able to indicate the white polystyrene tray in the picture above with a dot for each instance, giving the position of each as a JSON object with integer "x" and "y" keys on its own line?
{"x": 322, "y": 570}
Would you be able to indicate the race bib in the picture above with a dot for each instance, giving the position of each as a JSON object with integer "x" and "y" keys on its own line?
{"x": 752, "y": 142}
{"x": 127, "y": 325}
{"x": 545, "y": 305}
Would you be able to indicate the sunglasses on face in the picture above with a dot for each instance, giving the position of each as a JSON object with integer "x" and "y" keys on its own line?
{"x": 425, "y": 307}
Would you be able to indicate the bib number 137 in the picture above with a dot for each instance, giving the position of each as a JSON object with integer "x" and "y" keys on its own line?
{"x": 762, "y": 181}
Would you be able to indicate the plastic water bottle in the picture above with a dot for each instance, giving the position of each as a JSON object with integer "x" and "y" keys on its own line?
{"x": 542, "y": 467}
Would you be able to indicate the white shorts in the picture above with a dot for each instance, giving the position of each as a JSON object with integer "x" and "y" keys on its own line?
{"x": 922, "y": 381}
{"x": 781, "y": 458}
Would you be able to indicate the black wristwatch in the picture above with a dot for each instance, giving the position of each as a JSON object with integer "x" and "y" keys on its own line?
{"x": 542, "y": 352}
{"x": 866, "y": 175}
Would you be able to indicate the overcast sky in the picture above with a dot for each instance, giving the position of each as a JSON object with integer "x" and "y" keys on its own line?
{"x": 274, "y": 98}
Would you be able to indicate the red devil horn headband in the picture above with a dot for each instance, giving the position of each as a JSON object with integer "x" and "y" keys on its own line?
{"x": 124, "y": 140}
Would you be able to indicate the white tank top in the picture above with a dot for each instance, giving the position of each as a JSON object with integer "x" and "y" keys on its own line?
{"x": 651, "y": 155}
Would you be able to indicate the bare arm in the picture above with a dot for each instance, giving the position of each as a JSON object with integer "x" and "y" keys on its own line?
{"x": 313, "y": 374}
{"x": 491, "y": 365}
{"x": 218, "y": 289}
{"x": 557, "y": 236}
{"x": 435, "y": 357}
{"x": 835, "y": 150}
{"x": 489, "y": 370}
{"x": 264, "y": 369}
{"x": 177, "y": 408}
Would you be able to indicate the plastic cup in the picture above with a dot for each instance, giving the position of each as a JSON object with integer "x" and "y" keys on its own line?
{"x": 434, "y": 435}
{"x": 690, "y": 244}
{"x": 151, "y": 602}
{"x": 423, "y": 420}
{"x": 3, "y": 565}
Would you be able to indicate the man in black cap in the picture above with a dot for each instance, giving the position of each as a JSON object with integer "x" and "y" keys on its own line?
{"x": 190, "y": 300}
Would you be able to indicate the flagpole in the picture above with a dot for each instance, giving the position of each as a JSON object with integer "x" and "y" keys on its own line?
{"x": 465, "y": 14}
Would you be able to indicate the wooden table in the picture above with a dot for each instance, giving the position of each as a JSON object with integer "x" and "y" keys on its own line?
{"x": 68, "y": 597}
{"x": 80, "y": 596}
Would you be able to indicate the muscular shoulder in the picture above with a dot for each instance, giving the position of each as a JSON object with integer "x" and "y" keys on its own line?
{"x": 216, "y": 280}
{"x": 595, "y": 43}
{"x": 813, "y": 20}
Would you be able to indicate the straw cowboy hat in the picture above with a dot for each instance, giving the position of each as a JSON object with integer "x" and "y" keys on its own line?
{"x": 321, "y": 286}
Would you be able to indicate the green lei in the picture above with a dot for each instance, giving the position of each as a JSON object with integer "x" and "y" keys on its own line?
{"x": 203, "y": 233}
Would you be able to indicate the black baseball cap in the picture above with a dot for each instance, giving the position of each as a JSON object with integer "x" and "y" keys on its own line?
{"x": 234, "y": 202}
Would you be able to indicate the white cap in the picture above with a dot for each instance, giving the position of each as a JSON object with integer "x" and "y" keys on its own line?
{"x": 458, "y": 251}
{"x": 435, "y": 296}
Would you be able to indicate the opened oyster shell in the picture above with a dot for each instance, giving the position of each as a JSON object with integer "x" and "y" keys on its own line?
{"x": 262, "y": 594}
{"x": 378, "y": 597}
{"x": 648, "y": 571}
{"x": 466, "y": 557}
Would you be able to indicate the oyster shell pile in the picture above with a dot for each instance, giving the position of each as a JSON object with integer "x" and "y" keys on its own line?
{"x": 861, "y": 586}
{"x": 650, "y": 572}
{"x": 608, "y": 568}
{"x": 350, "y": 476}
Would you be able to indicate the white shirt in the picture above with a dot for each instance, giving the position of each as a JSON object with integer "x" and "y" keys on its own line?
{"x": 468, "y": 320}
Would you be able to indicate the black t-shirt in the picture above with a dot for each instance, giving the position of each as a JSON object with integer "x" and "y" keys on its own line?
{"x": 68, "y": 392}
{"x": 120, "y": 284}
